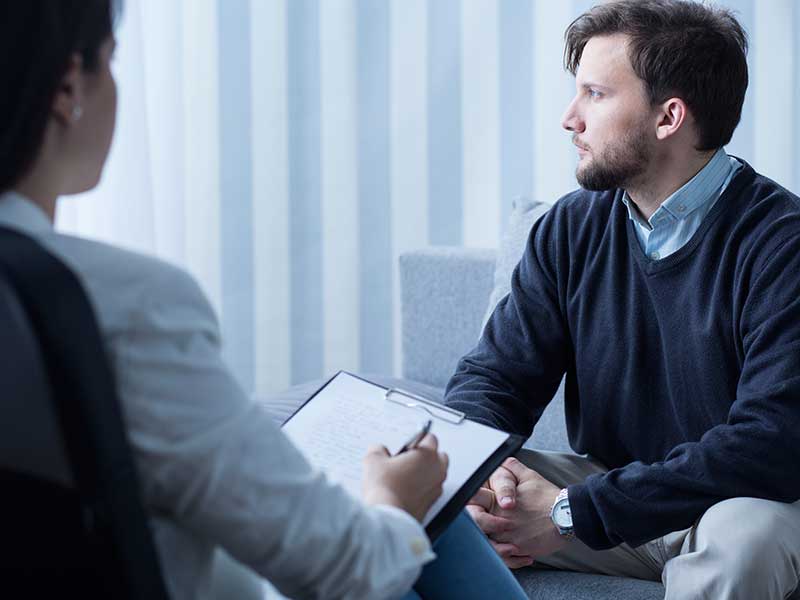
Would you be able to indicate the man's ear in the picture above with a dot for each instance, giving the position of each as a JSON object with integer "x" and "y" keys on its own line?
{"x": 67, "y": 104}
{"x": 672, "y": 115}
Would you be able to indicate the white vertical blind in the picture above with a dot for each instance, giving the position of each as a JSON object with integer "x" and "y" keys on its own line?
{"x": 553, "y": 88}
{"x": 480, "y": 116}
{"x": 408, "y": 136}
{"x": 163, "y": 192}
{"x": 340, "y": 259}
{"x": 774, "y": 104}
{"x": 270, "y": 173}
{"x": 164, "y": 98}
{"x": 200, "y": 114}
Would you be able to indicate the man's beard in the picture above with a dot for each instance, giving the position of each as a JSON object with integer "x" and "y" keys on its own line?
{"x": 621, "y": 163}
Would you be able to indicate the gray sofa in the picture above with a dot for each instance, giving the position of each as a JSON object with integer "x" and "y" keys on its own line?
{"x": 445, "y": 293}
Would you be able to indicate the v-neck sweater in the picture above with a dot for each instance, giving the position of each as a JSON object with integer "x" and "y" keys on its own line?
{"x": 682, "y": 374}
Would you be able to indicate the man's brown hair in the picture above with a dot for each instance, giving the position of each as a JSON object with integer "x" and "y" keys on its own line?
{"x": 679, "y": 48}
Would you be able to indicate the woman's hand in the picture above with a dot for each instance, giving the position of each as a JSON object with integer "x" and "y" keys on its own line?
{"x": 411, "y": 481}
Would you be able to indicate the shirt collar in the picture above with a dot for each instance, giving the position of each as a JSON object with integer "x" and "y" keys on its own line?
{"x": 17, "y": 212}
{"x": 698, "y": 191}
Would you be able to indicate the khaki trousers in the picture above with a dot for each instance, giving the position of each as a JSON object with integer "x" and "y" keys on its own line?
{"x": 742, "y": 548}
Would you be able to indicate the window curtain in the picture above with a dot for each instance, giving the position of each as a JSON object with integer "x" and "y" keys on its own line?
{"x": 286, "y": 152}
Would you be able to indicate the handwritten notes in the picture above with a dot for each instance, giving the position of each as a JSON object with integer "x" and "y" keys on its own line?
{"x": 345, "y": 418}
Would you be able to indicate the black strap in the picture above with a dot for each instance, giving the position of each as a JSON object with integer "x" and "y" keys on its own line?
{"x": 85, "y": 397}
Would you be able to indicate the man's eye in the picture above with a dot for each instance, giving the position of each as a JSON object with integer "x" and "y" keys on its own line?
{"x": 594, "y": 93}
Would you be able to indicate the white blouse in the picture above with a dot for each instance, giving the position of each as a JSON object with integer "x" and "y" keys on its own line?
{"x": 215, "y": 470}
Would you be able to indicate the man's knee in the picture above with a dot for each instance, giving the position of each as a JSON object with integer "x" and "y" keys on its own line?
{"x": 746, "y": 532}
{"x": 740, "y": 548}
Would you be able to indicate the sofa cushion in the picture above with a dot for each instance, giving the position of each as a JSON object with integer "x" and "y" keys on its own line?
{"x": 444, "y": 292}
{"x": 566, "y": 585}
{"x": 524, "y": 214}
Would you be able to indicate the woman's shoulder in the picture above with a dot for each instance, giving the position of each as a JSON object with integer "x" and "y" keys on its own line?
{"x": 122, "y": 282}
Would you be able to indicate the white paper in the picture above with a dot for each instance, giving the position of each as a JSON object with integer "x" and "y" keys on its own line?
{"x": 335, "y": 429}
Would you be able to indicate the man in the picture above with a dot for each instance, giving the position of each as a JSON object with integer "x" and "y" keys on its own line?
{"x": 668, "y": 292}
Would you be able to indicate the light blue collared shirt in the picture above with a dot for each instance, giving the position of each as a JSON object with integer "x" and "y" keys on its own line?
{"x": 680, "y": 215}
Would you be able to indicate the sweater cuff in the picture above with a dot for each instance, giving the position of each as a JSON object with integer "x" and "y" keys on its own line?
{"x": 586, "y": 520}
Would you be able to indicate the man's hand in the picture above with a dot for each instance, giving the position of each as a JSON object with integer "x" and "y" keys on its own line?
{"x": 481, "y": 508}
{"x": 514, "y": 511}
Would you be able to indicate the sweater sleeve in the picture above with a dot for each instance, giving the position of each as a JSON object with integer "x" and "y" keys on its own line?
{"x": 508, "y": 379}
{"x": 753, "y": 454}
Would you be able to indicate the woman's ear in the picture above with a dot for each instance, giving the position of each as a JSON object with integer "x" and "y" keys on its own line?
{"x": 67, "y": 104}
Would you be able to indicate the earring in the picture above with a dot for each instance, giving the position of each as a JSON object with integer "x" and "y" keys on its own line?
{"x": 77, "y": 112}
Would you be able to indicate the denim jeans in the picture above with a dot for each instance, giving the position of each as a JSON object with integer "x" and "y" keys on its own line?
{"x": 466, "y": 568}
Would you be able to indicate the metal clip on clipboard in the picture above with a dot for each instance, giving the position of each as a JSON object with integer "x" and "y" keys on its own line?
{"x": 437, "y": 411}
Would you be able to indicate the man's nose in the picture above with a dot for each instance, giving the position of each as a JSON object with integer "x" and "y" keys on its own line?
{"x": 571, "y": 120}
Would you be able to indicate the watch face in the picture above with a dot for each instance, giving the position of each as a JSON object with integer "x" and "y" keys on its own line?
{"x": 562, "y": 515}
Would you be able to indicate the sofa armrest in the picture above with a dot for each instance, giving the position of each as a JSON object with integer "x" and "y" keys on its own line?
{"x": 444, "y": 295}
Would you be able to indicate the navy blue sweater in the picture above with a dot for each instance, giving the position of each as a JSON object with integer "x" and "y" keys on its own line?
{"x": 682, "y": 375}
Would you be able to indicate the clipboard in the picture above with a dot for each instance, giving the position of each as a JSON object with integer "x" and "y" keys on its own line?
{"x": 334, "y": 430}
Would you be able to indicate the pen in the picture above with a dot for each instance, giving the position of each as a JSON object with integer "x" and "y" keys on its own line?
{"x": 416, "y": 438}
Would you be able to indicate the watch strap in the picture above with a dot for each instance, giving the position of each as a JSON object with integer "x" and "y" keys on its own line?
{"x": 567, "y": 532}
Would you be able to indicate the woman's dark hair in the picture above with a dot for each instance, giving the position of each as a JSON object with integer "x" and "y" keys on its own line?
{"x": 37, "y": 39}
{"x": 679, "y": 48}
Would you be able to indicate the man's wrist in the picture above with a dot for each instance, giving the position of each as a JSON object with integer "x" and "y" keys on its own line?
{"x": 561, "y": 515}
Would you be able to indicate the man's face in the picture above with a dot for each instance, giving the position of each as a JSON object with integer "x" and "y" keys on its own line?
{"x": 610, "y": 117}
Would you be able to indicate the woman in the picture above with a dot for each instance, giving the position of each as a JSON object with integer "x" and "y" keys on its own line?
{"x": 215, "y": 471}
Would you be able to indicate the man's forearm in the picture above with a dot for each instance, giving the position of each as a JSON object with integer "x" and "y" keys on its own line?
{"x": 640, "y": 502}
{"x": 482, "y": 395}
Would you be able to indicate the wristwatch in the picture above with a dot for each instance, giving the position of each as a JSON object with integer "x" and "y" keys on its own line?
{"x": 562, "y": 516}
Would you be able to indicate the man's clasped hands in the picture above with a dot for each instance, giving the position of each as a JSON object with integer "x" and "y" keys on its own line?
{"x": 513, "y": 510}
